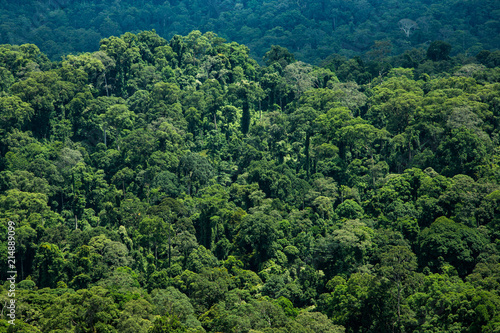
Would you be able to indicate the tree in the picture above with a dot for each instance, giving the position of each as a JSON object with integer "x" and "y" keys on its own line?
{"x": 349, "y": 209}
{"x": 303, "y": 124}
{"x": 135, "y": 317}
{"x": 438, "y": 50}
{"x": 444, "y": 295}
{"x": 172, "y": 301}
{"x": 196, "y": 171}
{"x": 14, "y": 113}
{"x": 116, "y": 119}
{"x": 25, "y": 206}
{"x": 280, "y": 55}
{"x": 124, "y": 55}
{"x": 397, "y": 265}
{"x": 298, "y": 75}
{"x": 345, "y": 249}
{"x": 154, "y": 233}
{"x": 318, "y": 322}
{"x": 407, "y": 26}
{"x": 462, "y": 152}
{"x": 399, "y": 111}
{"x": 199, "y": 259}
{"x": 49, "y": 265}
{"x": 99, "y": 309}
{"x": 46, "y": 93}
{"x": 247, "y": 92}
{"x": 167, "y": 324}
{"x": 457, "y": 244}
{"x": 6, "y": 79}
{"x": 26, "y": 248}
{"x": 358, "y": 303}
{"x": 122, "y": 176}
{"x": 257, "y": 237}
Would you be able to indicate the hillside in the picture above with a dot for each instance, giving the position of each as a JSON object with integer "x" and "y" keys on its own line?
{"x": 178, "y": 186}
{"x": 312, "y": 30}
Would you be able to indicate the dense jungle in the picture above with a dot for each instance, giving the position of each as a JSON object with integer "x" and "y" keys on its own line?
{"x": 250, "y": 166}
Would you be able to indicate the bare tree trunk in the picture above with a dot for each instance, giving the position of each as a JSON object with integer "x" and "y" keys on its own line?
{"x": 106, "y": 85}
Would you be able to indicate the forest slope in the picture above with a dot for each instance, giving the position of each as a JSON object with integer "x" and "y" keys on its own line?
{"x": 309, "y": 28}
{"x": 179, "y": 186}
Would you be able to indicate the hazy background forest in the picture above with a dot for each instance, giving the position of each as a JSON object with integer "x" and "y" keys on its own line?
{"x": 311, "y": 29}
{"x": 339, "y": 173}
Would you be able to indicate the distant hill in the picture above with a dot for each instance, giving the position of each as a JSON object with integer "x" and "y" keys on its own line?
{"x": 312, "y": 30}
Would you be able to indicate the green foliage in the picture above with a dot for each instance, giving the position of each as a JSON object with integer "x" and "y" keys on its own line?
{"x": 314, "y": 30}
{"x": 179, "y": 186}
{"x": 452, "y": 242}
{"x": 438, "y": 50}
{"x": 167, "y": 324}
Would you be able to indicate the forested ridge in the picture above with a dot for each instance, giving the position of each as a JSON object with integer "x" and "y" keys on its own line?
{"x": 179, "y": 186}
{"x": 311, "y": 29}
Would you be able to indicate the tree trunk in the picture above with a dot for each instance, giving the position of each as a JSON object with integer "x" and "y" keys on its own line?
{"x": 106, "y": 85}
{"x": 308, "y": 139}
{"x": 156, "y": 254}
{"x": 169, "y": 250}
{"x": 399, "y": 303}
